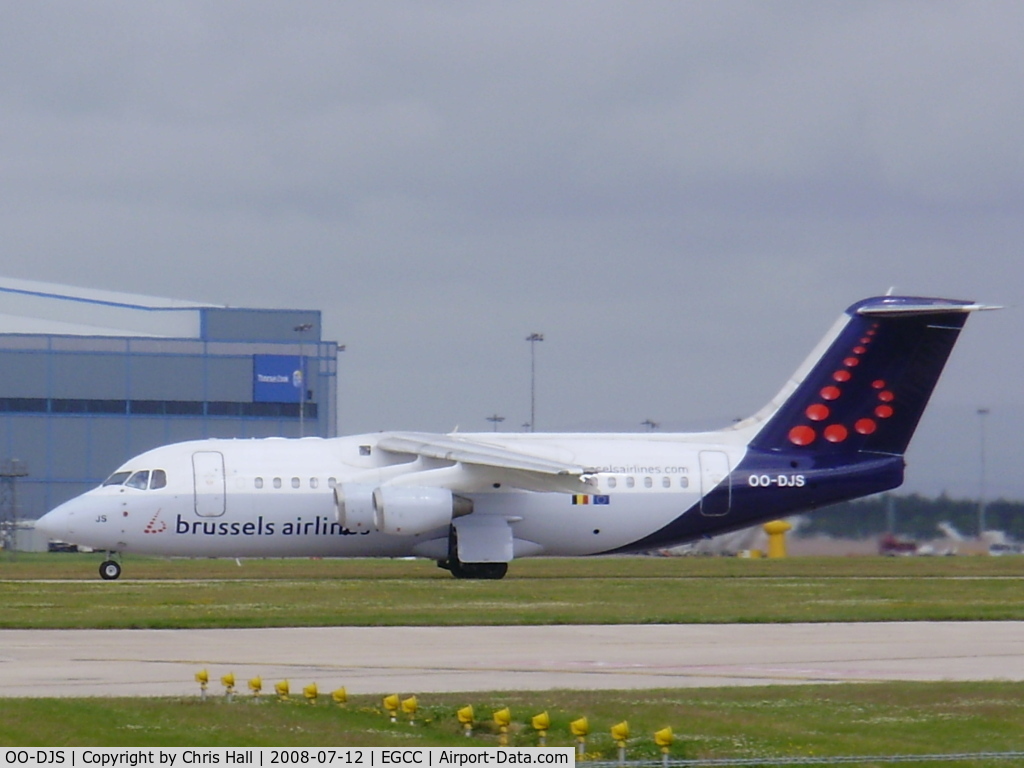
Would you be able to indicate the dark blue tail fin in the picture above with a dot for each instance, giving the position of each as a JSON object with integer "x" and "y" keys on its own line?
{"x": 866, "y": 392}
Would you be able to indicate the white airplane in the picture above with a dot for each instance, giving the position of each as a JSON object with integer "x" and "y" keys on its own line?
{"x": 837, "y": 430}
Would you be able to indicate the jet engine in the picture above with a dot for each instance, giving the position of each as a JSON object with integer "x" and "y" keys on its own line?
{"x": 353, "y": 503}
{"x": 410, "y": 510}
{"x": 397, "y": 510}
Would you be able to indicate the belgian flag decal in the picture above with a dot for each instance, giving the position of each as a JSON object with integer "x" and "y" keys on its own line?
{"x": 582, "y": 498}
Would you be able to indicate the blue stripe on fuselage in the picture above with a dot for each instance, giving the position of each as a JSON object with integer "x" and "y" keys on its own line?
{"x": 768, "y": 486}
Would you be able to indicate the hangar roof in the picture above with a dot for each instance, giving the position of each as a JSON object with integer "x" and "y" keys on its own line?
{"x": 27, "y": 306}
{"x": 30, "y": 307}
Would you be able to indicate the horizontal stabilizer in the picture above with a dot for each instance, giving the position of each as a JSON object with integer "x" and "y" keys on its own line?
{"x": 894, "y": 306}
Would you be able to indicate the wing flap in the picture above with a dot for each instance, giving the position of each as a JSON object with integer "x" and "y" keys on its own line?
{"x": 451, "y": 448}
{"x": 491, "y": 463}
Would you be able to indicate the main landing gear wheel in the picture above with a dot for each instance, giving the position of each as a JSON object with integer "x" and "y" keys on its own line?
{"x": 462, "y": 570}
{"x": 110, "y": 570}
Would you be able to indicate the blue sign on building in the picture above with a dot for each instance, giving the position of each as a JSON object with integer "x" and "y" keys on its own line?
{"x": 274, "y": 379}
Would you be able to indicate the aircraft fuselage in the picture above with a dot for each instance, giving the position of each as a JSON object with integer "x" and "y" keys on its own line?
{"x": 837, "y": 430}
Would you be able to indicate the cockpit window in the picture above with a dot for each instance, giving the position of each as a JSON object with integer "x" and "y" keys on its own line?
{"x": 117, "y": 478}
{"x": 142, "y": 479}
{"x": 139, "y": 480}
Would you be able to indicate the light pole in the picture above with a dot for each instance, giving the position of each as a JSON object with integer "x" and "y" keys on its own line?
{"x": 982, "y": 413}
{"x": 337, "y": 415}
{"x": 495, "y": 420}
{"x": 299, "y": 379}
{"x": 533, "y": 338}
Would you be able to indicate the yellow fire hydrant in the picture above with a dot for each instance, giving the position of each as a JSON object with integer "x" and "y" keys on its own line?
{"x": 776, "y": 531}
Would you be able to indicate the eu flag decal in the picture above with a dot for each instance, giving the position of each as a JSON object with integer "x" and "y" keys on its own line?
{"x": 582, "y": 498}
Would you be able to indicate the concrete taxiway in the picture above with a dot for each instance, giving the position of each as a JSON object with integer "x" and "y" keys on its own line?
{"x": 432, "y": 659}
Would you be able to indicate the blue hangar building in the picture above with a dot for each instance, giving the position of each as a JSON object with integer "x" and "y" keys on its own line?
{"x": 91, "y": 378}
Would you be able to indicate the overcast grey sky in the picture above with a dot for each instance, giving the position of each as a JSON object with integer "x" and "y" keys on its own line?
{"x": 682, "y": 196}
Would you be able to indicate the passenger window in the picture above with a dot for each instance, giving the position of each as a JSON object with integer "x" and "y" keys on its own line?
{"x": 296, "y": 482}
{"x": 117, "y": 478}
{"x": 666, "y": 482}
{"x": 612, "y": 482}
{"x": 684, "y": 482}
{"x": 332, "y": 482}
{"x": 258, "y": 482}
{"x": 139, "y": 480}
{"x": 277, "y": 482}
{"x": 648, "y": 482}
{"x": 314, "y": 482}
{"x": 630, "y": 482}
{"x": 158, "y": 479}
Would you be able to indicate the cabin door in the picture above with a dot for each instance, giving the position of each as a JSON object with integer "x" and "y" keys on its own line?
{"x": 715, "y": 484}
{"x": 208, "y": 468}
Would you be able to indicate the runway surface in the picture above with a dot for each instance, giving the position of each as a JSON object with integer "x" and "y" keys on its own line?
{"x": 431, "y": 659}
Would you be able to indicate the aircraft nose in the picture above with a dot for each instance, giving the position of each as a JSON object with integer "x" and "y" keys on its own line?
{"x": 58, "y": 523}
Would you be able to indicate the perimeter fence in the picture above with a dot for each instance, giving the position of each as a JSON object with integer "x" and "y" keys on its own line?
{"x": 755, "y": 762}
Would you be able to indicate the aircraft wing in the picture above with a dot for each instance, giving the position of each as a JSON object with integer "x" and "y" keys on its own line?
{"x": 492, "y": 464}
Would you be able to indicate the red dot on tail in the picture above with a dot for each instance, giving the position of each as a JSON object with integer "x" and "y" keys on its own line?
{"x": 841, "y": 376}
{"x": 859, "y": 350}
{"x": 830, "y": 393}
{"x": 817, "y": 412}
{"x": 865, "y": 426}
{"x": 886, "y": 396}
{"x": 850, "y": 362}
{"x": 883, "y": 411}
{"x": 878, "y": 384}
{"x": 836, "y": 433}
{"x": 802, "y": 435}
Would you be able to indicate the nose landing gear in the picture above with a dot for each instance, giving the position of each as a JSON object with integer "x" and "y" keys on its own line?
{"x": 110, "y": 569}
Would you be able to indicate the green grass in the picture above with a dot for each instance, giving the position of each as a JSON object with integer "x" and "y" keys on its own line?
{"x": 59, "y": 590}
{"x": 63, "y": 591}
{"x": 875, "y": 719}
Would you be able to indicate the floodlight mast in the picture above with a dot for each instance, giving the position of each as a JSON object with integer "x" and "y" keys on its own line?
{"x": 301, "y": 375}
{"x": 982, "y": 413}
{"x": 10, "y": 470}
{"x": 533, "y": 338}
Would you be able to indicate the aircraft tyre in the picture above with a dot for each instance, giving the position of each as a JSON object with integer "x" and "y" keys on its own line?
{"x": 462, "y": 570}
{"x": 110, "y": 570}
